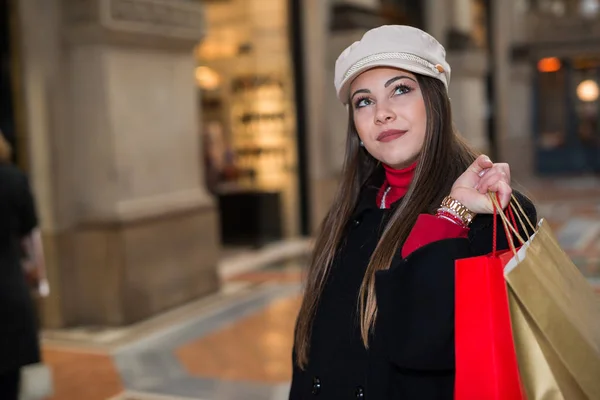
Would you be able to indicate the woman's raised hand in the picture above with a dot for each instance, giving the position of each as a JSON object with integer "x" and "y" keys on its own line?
{"x": 483, "y": 175}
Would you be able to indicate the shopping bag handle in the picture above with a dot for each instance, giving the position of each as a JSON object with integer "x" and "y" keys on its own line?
{"x": 508, "y": 226}
{"x": 495, "y": 198}
{"x": 519, "y": 213}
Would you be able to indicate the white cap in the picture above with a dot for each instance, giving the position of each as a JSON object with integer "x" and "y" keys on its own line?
{"x": 396, "y": 46}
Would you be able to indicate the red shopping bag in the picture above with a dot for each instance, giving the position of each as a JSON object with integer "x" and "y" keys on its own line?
{"x": 486, "y": 362}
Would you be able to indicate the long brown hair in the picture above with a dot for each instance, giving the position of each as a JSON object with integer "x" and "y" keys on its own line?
{"x": 443, "y": 158}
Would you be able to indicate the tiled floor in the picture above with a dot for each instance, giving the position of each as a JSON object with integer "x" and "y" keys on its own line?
{"x": 82, "y": 374}
{"x": 239, "y": 347}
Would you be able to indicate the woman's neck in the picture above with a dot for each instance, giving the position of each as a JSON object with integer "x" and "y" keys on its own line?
{"x": 397, "y": 182}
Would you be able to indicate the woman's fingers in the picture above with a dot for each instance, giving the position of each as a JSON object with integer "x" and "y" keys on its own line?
{"x": 490, "y": 178}
{"x": 480, "y": 164}
{"x": 504, "y": 167}
{"x": 482, "y": 176}
{"x": 504, "y": 192}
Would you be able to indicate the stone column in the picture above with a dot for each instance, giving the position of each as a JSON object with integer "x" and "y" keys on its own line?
{"x": 462, "y": 17}
{"x": 461, "y": 25}
{"x": 513, "y": 81}
{"x": 467, "y": 92}
{"x": 518, "y": 141}
{"x": 315, "y": 28}
{"x": 437, "y": 19}
{"x": 116, "y": 156}
{"x": 502, "y": 18}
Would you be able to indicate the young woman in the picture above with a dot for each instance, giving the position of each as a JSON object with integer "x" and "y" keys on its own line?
{"x": 377, "y": 319}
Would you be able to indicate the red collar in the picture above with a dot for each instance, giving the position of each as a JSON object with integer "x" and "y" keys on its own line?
{"x": 398, "y": 181}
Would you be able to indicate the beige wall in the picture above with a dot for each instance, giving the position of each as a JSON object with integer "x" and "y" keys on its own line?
{"x": 438, "y": 18}
{"x": 322, "y": 180}
{"x": 513, "y": 108}
{"x": 467, "y": 92}
{"x": 135, "y": 130}
{"x": 43, "y": 88}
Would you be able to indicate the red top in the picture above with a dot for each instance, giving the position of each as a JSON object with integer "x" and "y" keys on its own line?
{"x": 398, "y": 180}
{"x": 428, "y": 228}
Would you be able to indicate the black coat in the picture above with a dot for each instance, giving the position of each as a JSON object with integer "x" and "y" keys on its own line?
{"x": 19, "y": 344}
{"x": 411, "y": 354}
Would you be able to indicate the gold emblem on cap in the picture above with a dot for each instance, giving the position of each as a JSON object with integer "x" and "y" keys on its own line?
{"x": 439, "y": 68}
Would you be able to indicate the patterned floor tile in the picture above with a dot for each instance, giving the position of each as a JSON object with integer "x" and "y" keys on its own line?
{"x": 257, "y": 348}
{"x": 81, "y": 375}
{"x": 151, "y": 365}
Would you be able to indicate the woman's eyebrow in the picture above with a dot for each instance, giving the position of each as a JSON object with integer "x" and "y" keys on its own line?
{"x": 360, "y": 91}
{"x": 388, "y": 83}
{"x": 394, "y": 79}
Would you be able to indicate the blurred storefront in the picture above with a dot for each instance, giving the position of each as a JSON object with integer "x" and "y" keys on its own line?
{"x": 566, "y": 110}
{"x": 547, "y": 76}
{"x": 246, "y": 79}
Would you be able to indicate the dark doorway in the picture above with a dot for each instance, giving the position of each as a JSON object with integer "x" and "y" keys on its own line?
{"x": 7, "y": 115}
{"x": 297, "y": 43}
{"x": 567, "y": 115}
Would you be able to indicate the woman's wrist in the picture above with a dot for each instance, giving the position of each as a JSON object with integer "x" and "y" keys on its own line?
{"x": 449, "y": 217}
{"x": 453, "y": 210}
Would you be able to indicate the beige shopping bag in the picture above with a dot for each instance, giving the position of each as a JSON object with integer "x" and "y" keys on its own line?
{"x": 556, "y": 318}
{"x": 540, "y": 368}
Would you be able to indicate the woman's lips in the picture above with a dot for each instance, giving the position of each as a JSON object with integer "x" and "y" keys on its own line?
{"x": 389, "y": 135}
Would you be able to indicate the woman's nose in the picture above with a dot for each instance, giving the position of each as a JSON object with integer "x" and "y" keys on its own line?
{"x": 384, "y": 115}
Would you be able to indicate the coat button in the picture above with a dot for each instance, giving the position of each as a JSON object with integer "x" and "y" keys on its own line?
{"x": 360, "y": 392}
{"x": 356, "y": 222}
{"x": 316, "y": 388}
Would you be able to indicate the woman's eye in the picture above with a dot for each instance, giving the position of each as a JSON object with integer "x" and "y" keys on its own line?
{"x": 402, "y": 89}
{"x": 362, "y": 103}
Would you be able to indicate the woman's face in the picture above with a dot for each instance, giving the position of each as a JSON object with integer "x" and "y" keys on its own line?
{"x": 389, "y": 115}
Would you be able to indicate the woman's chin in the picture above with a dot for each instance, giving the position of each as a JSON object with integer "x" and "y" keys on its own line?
{"x": 398, "y": 162}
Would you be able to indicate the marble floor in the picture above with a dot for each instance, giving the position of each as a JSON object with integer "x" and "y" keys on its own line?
{"x": 236, "y": 345}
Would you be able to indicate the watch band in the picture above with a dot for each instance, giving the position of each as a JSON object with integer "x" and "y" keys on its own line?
{"x": 456, "y": 207}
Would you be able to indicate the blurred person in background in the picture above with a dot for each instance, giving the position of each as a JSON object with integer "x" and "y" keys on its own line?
{"x": 377, "y": 317}
{"x": 19, "y": 235}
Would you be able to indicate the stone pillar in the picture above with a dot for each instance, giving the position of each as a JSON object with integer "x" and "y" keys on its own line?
{"x": 461, "y": 26}
{"x": 502, "y": 18}
{"x": 467, "y": 92}
{"x": 437, "y": 20}
{"x": 114, "y": 139}
{"x": 316, "y": 21}
{"x": 462, "y": 16}
{"x": 518, "y": 141}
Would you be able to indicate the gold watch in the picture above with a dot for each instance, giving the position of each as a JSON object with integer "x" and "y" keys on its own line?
{"x": 458, "y": 209}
